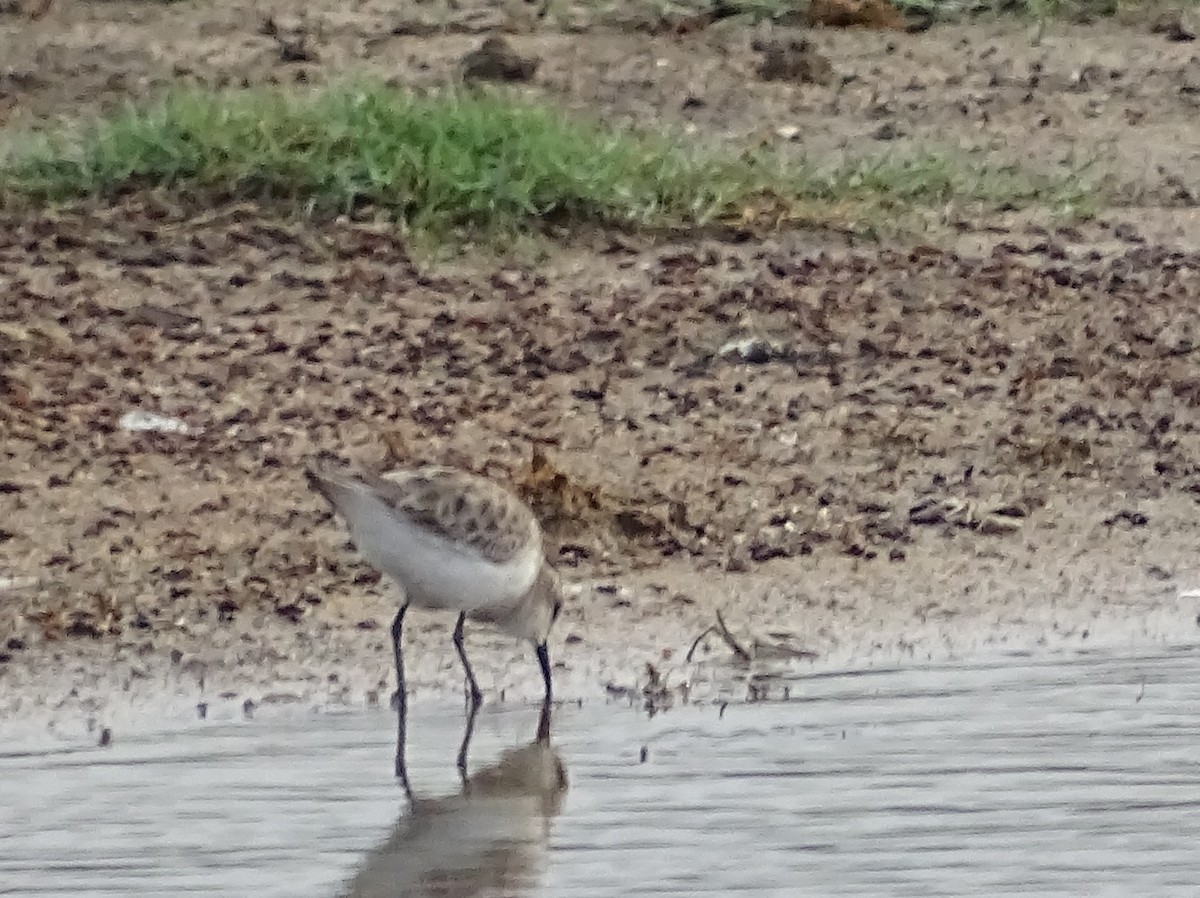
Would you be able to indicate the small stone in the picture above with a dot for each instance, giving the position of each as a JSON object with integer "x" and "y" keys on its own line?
{"x": 1172, "y": 26}
{"x": 793, "y": 60}
{"x": 297, "y": 49}
{"x": 887, "y": 131}
{"x": 996, "y": 525}
{"x": 495, "y": 60}
{"x": 751, "y": 350}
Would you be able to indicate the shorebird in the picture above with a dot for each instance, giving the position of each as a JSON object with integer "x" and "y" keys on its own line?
{"x": 452, "y": 541}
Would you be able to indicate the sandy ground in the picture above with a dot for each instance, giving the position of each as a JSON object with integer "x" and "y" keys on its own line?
{"x": 871, "y": 454}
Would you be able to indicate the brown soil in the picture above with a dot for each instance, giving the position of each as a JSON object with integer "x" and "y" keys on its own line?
{"x": 866, "y": 452}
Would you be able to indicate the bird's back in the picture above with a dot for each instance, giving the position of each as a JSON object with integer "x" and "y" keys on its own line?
{"x": 472, "y": 511}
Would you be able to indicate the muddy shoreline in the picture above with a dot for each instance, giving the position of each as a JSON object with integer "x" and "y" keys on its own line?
{"x": 983, "y": 439}
{"x": 870, "y": 454}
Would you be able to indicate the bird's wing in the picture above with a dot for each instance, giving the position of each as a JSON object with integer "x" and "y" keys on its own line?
{"x": 479, "y": 515}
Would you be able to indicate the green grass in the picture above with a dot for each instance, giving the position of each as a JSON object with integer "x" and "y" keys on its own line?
{"x": 461, "y": 162}
{"x": 439, "y": 162}
{"x": 937, "y": 179}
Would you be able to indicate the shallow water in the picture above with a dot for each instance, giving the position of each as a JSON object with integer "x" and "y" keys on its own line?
{"x": 1075, "y": 776}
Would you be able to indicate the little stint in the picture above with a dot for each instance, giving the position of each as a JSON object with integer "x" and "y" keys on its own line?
{"x": 451, "y": 541}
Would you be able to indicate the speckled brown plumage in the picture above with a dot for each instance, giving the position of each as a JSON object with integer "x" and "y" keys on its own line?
{"x": 465, "y": 508}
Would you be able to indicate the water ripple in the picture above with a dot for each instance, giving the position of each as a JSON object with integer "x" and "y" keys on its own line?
{"x": 1073, "y": 776}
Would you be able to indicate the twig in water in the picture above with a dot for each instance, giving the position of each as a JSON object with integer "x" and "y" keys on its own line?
{"x": 734, "y": 647}
{"x": 723, "y": 631}
{"x": 696, "y": 644}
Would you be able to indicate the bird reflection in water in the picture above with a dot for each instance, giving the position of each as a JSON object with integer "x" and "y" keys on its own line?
{"x": 489, "y": 839}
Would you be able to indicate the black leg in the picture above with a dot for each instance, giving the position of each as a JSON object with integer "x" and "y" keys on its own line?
{"x": 543, "y": 730}
{"x": 543, "y": 656}
{"x": 476, "y": 695}
{"x": 466, "y": 742}
{"x": 401, "y": 697}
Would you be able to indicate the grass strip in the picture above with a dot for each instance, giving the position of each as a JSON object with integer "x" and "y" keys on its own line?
{"x": 460, "y": 161}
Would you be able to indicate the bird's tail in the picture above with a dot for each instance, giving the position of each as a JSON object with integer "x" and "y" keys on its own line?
{"x": 331, "y": 478}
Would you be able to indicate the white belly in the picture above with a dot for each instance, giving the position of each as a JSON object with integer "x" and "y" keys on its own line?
{"x": 432, "y": 572}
